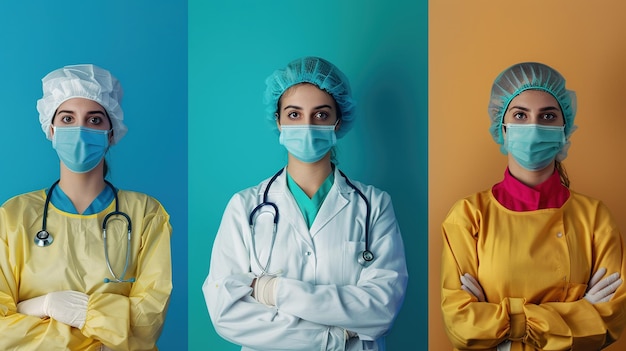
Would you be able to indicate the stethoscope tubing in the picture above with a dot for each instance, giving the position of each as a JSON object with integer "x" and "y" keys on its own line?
{"x": 43, "y": 238}
{"x": 365, "y": 256}
{"x": 106, "y": 246}
{"x": 274, "y": 225}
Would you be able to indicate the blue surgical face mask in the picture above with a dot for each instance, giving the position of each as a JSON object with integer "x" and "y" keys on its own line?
{"x": 306, "y": 142}
{"x": 534, "y": 146}
{"x": 80, "y": 149}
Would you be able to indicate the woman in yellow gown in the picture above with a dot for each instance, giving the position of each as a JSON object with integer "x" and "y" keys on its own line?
{"x": 63, "y": 284}
{"x": 524, "y": 263}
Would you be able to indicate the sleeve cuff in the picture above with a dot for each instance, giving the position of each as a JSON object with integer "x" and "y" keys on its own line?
{"x": 517, "y": 318}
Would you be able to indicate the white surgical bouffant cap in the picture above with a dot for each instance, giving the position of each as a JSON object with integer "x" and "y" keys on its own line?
{"x": 82, "y": 81}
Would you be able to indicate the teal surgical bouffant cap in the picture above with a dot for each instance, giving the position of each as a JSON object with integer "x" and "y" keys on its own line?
{"x": 529, "y": 76}
{"x": 316, "y": 71}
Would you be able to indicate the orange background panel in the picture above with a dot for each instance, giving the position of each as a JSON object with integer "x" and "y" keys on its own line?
{"x": 470, "y": 43}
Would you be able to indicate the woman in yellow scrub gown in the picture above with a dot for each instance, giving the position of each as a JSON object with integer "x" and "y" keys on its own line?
{"x": 63, "y": 284}
{"x": 530, "y": 264}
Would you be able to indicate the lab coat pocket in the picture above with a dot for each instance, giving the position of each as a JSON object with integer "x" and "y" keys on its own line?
{"x": 356, "y": 344}
{"x": 351, "y": 269}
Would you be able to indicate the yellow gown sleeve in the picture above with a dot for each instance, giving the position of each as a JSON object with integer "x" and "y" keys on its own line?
{"x": 135, "y": 322}
{"x": 574, "y": 323}
{"x": 470, "y": 325}
{"x": 23, "y": 332}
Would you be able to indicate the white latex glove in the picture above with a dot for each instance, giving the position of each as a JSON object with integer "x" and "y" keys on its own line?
{"x": 68, "y": 307}
{"x": 263, "y": 289}
{"x": 602, "y": 290}
{"x": 350, "y": 334}
{"x": 471, "y": 285}
{"x": 504, "y": 346}
{"x": 33, "y": 307}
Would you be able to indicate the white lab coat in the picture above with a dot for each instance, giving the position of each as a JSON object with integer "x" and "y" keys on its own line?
{"x": 322, "y": 290}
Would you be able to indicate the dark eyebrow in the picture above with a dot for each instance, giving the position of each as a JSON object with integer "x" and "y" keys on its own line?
{"x": 519, "y": 108}
{"x": 90, "y": 112}
{"x": 292, "y": 106}
{"x": 547, "y": 108}
{"x": 315, "y": 108}
{"x": 323, "y": 106}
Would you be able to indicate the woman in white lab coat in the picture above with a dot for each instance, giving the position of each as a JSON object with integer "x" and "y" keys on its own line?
{"x": 332, "y": 276}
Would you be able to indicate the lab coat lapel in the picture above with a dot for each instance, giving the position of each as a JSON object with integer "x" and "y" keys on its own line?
{"x": 289, "y": 211}
{"x": 335, "y": 201}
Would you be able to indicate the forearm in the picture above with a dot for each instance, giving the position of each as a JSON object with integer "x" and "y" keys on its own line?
{"x": 550, "y": 326}
{"x": 108, "y": 319}
{"x": 368, "y": 309}
{"x": 240, "y": 319}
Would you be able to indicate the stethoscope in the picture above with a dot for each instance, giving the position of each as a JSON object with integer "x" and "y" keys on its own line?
{"x": 43, "y": 238}
{"x": 363, "y": 257}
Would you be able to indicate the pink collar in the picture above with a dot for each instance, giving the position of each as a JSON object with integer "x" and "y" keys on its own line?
{"x": 516, "y": 196}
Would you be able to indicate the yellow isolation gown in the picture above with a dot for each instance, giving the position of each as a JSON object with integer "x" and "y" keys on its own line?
{"x": 534, "y": 268}
{"x": 121, "y": 316}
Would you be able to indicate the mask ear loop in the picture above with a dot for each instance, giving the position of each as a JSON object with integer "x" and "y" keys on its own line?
{"x": 111, "y": 131}
{"x": 337, "y": 124}
{"x": 111, "y": 137}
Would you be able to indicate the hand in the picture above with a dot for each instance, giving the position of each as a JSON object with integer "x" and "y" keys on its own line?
{"x": 602, "y": 290}
{"x": 68, "y": 307}
{"x": 33, "y": 307}
{"x": 263, "y": 289}
{"x": 471, "y": 285}
{"x": 504, "y": 346}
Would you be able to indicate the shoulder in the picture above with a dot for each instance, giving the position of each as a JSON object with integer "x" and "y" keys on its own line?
{"x": 252, "y": 194}
{"x": 471, "y": 206}
{"x": 579, "y": 199}
{"x": 141, "y": 202}
{"x": 474, "y": 200}
{"x": 587, "y": 207}
{"x": 31, "y": 199}
{"x": 373, "y": 192}
{"x": 343, "y": 181}
{"x": 377, "y": 198}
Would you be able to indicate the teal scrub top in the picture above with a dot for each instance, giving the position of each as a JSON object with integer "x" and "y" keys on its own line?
{"x": 310, "y": 206}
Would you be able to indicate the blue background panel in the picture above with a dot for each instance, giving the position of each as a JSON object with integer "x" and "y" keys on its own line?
{"x": 144, "y": 44}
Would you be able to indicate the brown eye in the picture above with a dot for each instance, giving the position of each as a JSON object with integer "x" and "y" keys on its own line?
{"x": 519, "y": 115}
{"x": 549, "y": 116}
{"x": 321, "y": 115}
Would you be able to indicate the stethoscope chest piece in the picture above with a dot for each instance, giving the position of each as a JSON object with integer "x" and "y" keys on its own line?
{"x": 365, "y": 257}
{"x": 43, "y": 238}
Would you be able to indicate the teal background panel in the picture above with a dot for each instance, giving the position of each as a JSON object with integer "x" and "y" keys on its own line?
{"x": 144, "y": 44}
{"x": 382, "y": 47}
